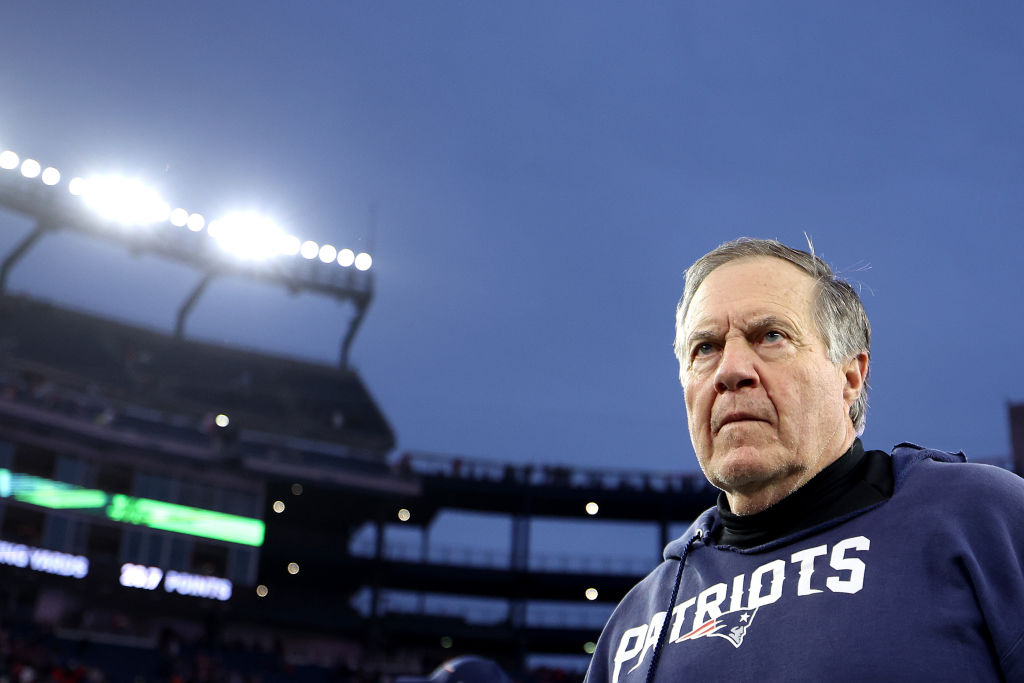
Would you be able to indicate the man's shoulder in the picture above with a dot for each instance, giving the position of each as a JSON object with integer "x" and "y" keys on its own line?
{"x": 909, "y": 453}
{"x": 950, "y": 477}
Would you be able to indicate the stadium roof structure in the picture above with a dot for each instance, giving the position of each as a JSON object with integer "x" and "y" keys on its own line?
{"x": 134, "y": 216}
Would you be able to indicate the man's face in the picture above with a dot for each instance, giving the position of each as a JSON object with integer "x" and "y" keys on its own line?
{"x": 767, "y": 409}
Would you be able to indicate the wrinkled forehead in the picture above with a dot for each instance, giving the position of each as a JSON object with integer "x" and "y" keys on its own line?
{"x": 749, "y": 287}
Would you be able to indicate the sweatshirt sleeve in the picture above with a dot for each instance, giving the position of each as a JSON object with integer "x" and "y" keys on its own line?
{"x": 603, "y": 667}
{"x": 994, "y": 559}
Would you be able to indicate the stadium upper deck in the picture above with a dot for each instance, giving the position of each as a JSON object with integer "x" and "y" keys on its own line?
{"x": 141, "y": 367}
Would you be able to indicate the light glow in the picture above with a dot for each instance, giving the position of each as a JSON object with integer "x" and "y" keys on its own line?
{"x": 125, "y": 201}
{"x": 155, "y": 514}
{"x": 129, "y": 202}
{"x": 222, "y": 420}
{"x": 261, "y": 591}
{"x": 327, "y": 253}
{"x": 290, "y": 245}
{"x": 183, "y": 519}
{"x": 140, "y": 576}
{"x": 404, "y": 515}
{"x": 592, "y": 508}
{"x": 247, "y": 235}
{"x": 30, "y": 168}
{"x": 55, "y": 495}
{"x": 9, "y": 160}
{"x": 278, "y": 506}
{"x": 51, "y": 176}
{"x": 197, "y": 585}
{"x": 196, "y": 222}
{"x": 293, "y": 568}
{"x": 346, "y": 257}
{"x": 591, "y": 594}
{"x": 42, "y": 560}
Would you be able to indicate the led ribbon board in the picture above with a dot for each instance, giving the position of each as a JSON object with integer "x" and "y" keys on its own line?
{"x": 155, "y": 514}
{"x": 40, "y": 560}
{"x": 148, "y": 578}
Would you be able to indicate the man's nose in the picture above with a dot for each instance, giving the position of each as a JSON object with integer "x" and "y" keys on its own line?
{"x": 736, "y": 370}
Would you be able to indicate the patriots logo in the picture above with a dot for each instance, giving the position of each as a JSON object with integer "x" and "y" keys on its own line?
{"x": 731, "y": 625}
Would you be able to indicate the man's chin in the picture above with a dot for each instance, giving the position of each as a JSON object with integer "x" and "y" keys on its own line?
{"x": 745, "y": 469}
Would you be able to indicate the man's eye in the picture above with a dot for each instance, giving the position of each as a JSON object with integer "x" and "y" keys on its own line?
{"x": 703, "y": 349}
{"x": 773, "y": 336}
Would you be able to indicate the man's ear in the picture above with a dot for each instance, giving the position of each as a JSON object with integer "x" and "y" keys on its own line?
{"x": 855, "y": 371}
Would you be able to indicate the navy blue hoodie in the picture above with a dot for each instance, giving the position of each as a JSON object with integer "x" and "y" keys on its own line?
{"x": 927, "y": 585}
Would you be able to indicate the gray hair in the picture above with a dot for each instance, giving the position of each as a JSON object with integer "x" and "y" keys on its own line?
{"x": 838, "y": 312}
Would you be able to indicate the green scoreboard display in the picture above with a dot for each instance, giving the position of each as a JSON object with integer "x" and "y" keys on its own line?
{"x": 155, "y": 514}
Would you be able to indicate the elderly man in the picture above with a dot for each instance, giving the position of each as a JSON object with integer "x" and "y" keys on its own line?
{"x": 821, "y": 561}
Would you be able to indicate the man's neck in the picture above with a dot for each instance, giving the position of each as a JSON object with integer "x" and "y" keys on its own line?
{"x": 767, "y": 494}
{"x": 855, "y": 481}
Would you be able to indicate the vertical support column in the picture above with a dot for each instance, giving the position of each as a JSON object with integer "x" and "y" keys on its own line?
{"x": 15, "y": 255}
{"x": 189, "y": 303}
{"x": 521, "y": 542}
{"x": 520, "y": 569}
{"x": 378, "y": 556}
{"x": 421, "y": 605}
{"x": 520, "y": 561}
{"x": 362, "y": 303}
{"x": 1017, "y": 436}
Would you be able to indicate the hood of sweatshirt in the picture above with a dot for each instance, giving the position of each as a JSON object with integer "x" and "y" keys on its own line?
{"x": 904, "y": 457}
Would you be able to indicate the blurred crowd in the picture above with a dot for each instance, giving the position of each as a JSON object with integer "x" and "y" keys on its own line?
{"x": 31, "y": 655}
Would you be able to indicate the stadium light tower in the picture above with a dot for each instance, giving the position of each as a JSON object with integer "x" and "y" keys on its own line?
{"x": 135, "y": 216}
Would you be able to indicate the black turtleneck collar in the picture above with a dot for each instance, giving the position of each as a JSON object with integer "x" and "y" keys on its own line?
{"x": 853, "y": 482}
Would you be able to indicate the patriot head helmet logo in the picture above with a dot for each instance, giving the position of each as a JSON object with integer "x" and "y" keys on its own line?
{"x": 729, "y": 625}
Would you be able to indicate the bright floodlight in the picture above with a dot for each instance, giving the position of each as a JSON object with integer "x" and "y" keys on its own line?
{"x": 196, "y": 222}
{"x": 262, "y": 591}
{"x": 124, "y": 200}
{"x": 179, "y": 217}
{"x": 591, "y": 593}
{"x": 293, "y": 568}
{"x": 9, "y": 160}
{"x": 278, "y": 506}
{"x": 30, "y": 168}
{"x": 327, "y": 253}
{"x": 592, "y": 508}
{"x": 222, "y": 420}
{"x": 76, "y": 186}
{"x": 363, "y": 261}
{"x": 290, "y": 245}
{"x": 346, "y": 257}
{"x": 404, "y": 515}
{"x": 249, "y": 236}
{"x": 309, "y": 250}
{"x": 51, "y": 176}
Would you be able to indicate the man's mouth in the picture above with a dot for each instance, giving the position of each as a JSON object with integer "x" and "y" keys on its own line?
{"x": 734, "y": 418}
